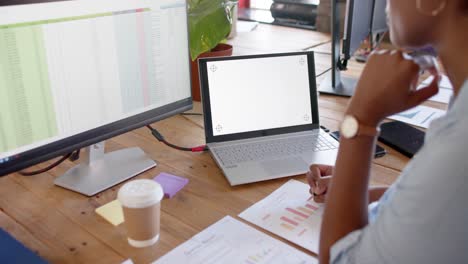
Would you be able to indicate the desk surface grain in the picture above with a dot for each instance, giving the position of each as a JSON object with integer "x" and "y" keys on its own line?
{"x": 62, "y": 226}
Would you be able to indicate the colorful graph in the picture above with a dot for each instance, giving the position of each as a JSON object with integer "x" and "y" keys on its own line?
{"x": 260, "y": 257}
{"x": 420, "y": 116}
{"x": 288, "y": 213}
{"x": 294, "y": 216}
{"x": 409, "y": 115}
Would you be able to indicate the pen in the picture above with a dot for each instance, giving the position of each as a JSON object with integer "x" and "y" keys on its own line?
{"x": 313, "y": 193}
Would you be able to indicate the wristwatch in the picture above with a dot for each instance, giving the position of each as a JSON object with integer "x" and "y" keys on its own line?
{"x": 351, "y": 128}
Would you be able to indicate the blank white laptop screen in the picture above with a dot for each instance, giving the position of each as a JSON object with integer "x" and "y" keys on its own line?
{"x": 259, "y": 93}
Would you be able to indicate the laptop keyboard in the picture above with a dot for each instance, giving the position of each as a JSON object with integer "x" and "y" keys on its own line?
{"x": 276, "y": 148}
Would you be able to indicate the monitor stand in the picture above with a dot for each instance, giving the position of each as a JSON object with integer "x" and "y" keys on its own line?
{"x": 345, "y": 86}
{"x": 334, "y": 83}
{"x": 99, "y": 171}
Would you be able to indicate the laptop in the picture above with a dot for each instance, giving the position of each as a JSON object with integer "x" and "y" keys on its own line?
{"x": 261, "y": 116}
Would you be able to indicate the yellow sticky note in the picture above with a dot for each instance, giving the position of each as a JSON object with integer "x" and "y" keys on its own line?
{"x": 112, "y": 212}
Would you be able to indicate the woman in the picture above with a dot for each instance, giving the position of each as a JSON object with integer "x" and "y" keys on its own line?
{"x": 423, "y": 217}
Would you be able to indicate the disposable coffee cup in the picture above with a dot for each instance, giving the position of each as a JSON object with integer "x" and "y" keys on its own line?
{"x": 141, "y": 204}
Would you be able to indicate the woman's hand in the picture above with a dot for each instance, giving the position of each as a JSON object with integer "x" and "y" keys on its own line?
{"x": 319, "y": 177}
{"x": 387, "y": 86}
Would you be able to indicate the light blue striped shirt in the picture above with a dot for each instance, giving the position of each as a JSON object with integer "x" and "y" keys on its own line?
{"x": 423, "y": 216}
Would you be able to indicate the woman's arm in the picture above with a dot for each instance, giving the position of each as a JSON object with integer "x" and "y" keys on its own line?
{"x": 385, "y": 88}
{"x": 375, "y": 193}
{"x": 348, "y": 195}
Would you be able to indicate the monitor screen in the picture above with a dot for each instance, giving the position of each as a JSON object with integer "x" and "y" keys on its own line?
{"x": 76, "y": 72}
{"x": 379, "y": 17}
{"x": 357, "y": 25}
{"x": 275, "y": 92}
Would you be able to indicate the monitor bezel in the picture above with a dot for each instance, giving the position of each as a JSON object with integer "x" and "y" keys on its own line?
{"x": 259, "y": 133}
{"x": 67, "y": 145}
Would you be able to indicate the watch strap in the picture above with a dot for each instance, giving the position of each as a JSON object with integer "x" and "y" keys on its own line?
{"x": 370, "y": 131}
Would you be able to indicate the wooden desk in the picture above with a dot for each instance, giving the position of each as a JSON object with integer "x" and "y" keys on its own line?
{"x": 62, "y": 227}
{"x": 273, "y": 39}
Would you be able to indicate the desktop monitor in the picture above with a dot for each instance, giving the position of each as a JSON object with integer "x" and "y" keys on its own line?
{"x": 379, "y": 17}
{"x": 75, "y": 73}
{"x": 363, "y": 18}
{"x": 358, "y": 20}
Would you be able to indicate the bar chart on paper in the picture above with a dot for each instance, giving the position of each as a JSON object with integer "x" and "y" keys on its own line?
{"x": 287, "y": 213}
{"x": 231, "y": 241}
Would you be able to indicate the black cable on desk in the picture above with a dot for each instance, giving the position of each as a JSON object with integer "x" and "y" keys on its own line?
{"x": 320, "y": 74}
{"x": 160, "y": 138}
{"x": 71, "y": 156}
{"x": 193, "y": 114}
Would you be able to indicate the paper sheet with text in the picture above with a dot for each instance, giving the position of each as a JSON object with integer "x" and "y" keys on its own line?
{"x": 231, "y": 241}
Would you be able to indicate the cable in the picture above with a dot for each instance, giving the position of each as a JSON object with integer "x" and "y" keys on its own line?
{"x": 320, "y": 74}
{"x": 316, "y": 45}
{"x": 193, "y": 114}
{"x": 379, "y": 40}
{"x": 342, "y": 64}
{"x": 71, "y": 156}
{"x": 160, "y": 138}
{"x": 322, "y": 52}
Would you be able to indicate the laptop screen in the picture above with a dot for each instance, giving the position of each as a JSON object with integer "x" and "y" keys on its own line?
{"x": 261, "y": 93}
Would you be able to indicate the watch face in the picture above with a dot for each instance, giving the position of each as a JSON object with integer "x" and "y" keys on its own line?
{"x": 349, "y": 127}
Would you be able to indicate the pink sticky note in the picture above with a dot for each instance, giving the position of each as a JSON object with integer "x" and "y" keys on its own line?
{"x": 171, "y": 184}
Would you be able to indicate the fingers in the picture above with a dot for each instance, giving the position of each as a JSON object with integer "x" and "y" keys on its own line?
{"x": 409, "y": 68}
{"x": 320, "y": 187}
{"x": 396, "y": 53}
{"x": 319, "y": 198}
{"x": 421, "y": 95}
{"x": 319, "y": 177}
{"x": 323, "y": 170}
{"x": 434, "y": 71}
{"x": 379, "y": 52}
{"x": 399, "y": 60}
{"x": 313, "y": 175}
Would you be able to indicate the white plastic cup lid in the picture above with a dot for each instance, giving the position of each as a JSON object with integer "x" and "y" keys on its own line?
{"x": 140, "y": 193}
